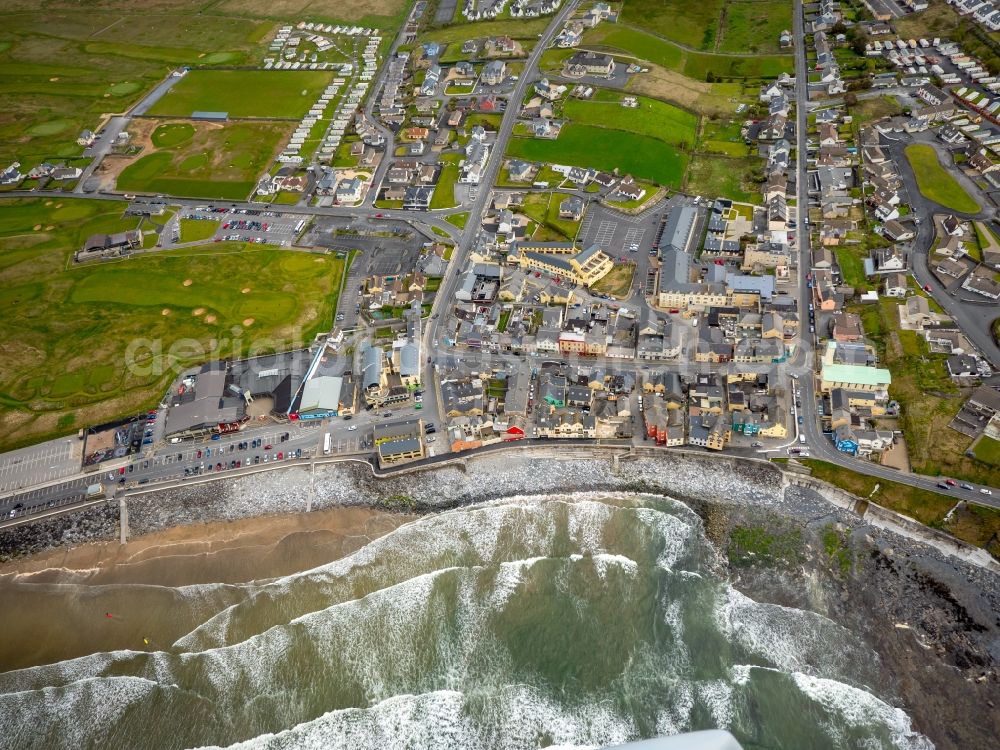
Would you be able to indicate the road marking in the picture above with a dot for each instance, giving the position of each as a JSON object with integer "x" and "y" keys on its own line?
{"x": 605, "y": 233}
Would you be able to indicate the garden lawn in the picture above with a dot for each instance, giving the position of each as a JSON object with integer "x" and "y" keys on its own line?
{"x": 605, "y": 149}
{"x": 68, "y": 331}
{"x": 928, "y": 397}
{"x": 217, "y": 162}
{"x": 987, "y": 450}
{"x": 444, "y": 192}
{"x": 935, "y": 183}
{"x": 244, "y": 93}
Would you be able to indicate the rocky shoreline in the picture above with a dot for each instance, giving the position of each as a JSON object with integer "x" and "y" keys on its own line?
{"x": 934, "y": 619}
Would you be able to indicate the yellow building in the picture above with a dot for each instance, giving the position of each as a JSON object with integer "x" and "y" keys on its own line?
{"x": 584, "y": 267}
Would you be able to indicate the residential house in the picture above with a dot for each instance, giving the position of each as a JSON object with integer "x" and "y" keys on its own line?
{"x": 593, "y": 63}
{"x": 895, "y": 285}
{"x": 982, "y": 281}
{"x": 349, "y": 190}
{"x": 494, "y": 73}
{"x": 571, "y": 208}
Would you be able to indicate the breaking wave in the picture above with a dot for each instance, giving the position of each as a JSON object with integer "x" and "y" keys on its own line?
{"x": 574, "y": 621}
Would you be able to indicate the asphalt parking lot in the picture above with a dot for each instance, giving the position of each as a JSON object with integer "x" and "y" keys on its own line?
{"x": 379, "y": 255}
{"x": 39, "y": 463}
{"x": 246, "y": 225}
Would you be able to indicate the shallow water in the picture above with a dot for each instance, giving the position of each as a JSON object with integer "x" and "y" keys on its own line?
{"x": 580, "y": 620}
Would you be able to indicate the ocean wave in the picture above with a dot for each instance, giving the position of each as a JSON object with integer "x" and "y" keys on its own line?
{"x": 570, "y": 620}
{"x": 72, "y": 715}
{"x": 518, "y": 718}
{"x": 518, "y": 528}
{"x": 856, "y": 708}
{"x": 793, "y": 640}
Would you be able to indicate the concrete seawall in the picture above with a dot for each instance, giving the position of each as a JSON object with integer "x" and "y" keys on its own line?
{"x": 541, "y": 467}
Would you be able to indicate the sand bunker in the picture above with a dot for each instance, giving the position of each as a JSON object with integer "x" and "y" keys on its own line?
{"x": 248, "y": 322}
{"x": 37, "y": 227}
{"x": 188, "y": 282}
{"x": 198, "y": 311}
{"x": 209, "y": 318}
{"x": 165, "y": 311}
{"x": 245, "y": 290}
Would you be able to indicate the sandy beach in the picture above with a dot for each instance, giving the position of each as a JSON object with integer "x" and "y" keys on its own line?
{"x": 68, "y": 594}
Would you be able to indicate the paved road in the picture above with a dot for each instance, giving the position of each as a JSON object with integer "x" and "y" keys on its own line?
{"x": 973, "y": 317}
{"x": 170, "y": 461}
{"x": 167, "y": 466}
{"x": 489, "y": 177}
{"x": 117, "y": 124}
{"x": 820, "y": 445}
{"x": 435, "y": 219}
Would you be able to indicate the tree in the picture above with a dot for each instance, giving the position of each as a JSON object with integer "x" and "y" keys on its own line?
{"x": 859, "y": 42}
{"x": 710, "y": 77}
{"x": 851, "y": 99}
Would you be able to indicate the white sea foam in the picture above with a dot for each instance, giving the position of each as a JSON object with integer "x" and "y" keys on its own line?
{"x": 71, "y": 714}
{"x": 858, "y": 708}
{"x": 675, "y": 717}
{"x": 513, "y": 719}
{"x": 790, "y": 639}
{"x": 439, "y": 581}
{"x": 717, "y": 696}
{"x": 603, "y": 562}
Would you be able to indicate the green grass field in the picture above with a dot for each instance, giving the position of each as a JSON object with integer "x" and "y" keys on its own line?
{"x": 653, "y": 118}
{"x": 691, "y": 24}
{"x": 711, "y": 175}
{"x": 987, "y": 450}
{"x": 459, "y": 219}
{"x": 602, "y": 148}
{"x": 694, "y": 64}
{"x": 754, "y": 25}
{"x": 66, "y": 330}
{"x": 217, "y": 162}
{"x": 194, "y": 230}
{"x": 244, "y": 93}
{"x": 444, "y": 193}
{"x": 935, "y": 183}
{"x": 172, "y": 134}
{"x": 61, "y": 70}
